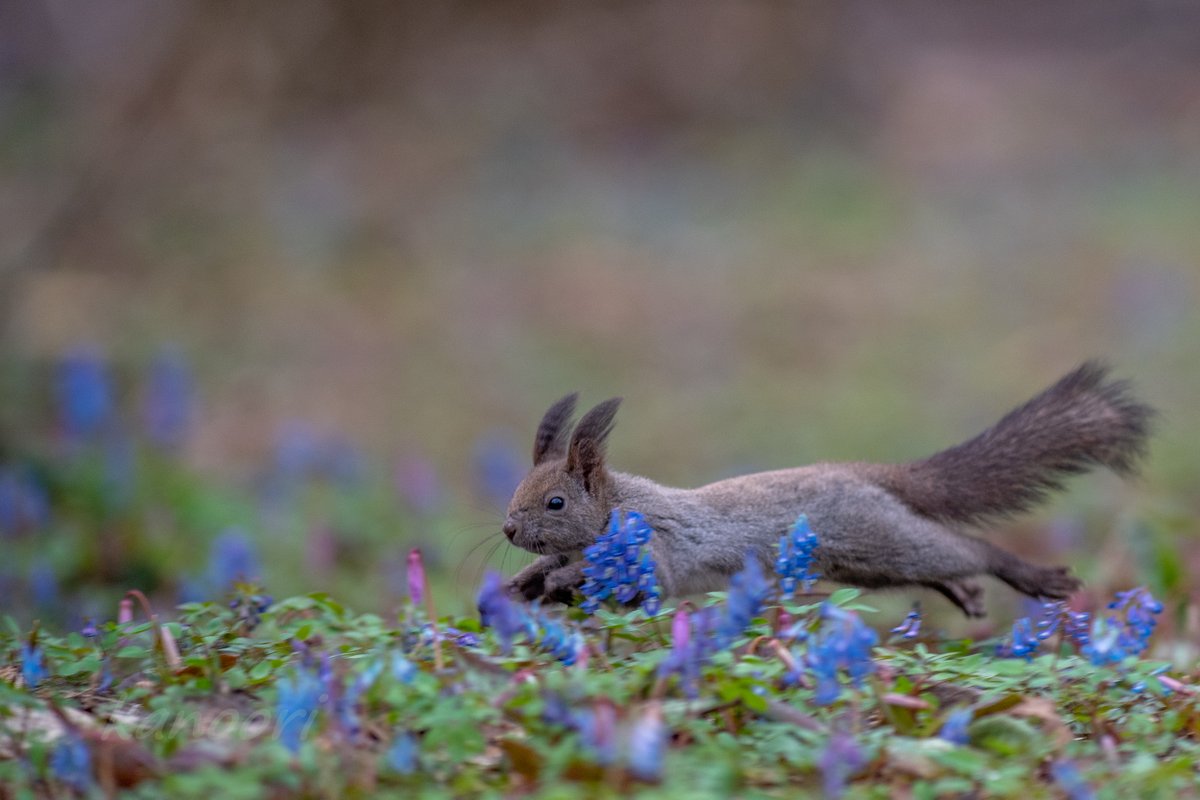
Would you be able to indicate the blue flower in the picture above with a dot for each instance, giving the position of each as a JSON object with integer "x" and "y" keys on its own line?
{"x": 620, "y": 565}
{"x": 348, "y": 699}
{"x": 1024, "y": 641}
{"x": 403, "y": 670}
{"x": 795, "y": 558}
{"x": 24, "y": 504}
{"x": 843, "y": 642}
{"x": 299, "y": 696}
{"x": 167, "y": 403}
{"x": 693, "y": 642}
{"x": 402, "y": 755}
{"x": 648, "y": 744}
{"x": 499, "y": 468}
{"x": 839, "y": 762}
{"x": 83, "y": 393}
{"x": 748, "y": 591}
{"x": 1056, "y": 616}
{"x": 954, "y": 729}
{"x": 1067, "y": 776}
{"x": 232, "y": 558}
{"x": 71, "y": 763}
{"x": 498, "y": 611}
{"x": 910, "y": 628}
{"x": 43, "y": 584}
{"x": 33, "y": 666}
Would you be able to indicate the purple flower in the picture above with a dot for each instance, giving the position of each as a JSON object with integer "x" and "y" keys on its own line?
{"x": 954, "y": 729}
{"x": 843, "y": 643}
{"x": 83, "y": 393}
{"x": 71, "y": 762}
{"x": 748, "y": 591}
{"x": 795, "y": 559}
{"x": 299, "y": 696}
{"x": 168, "y": 399}
{"x": 839, "y": 762}
{"x": 620, "y": 565}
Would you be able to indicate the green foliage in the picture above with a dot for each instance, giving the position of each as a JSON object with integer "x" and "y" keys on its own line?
{"x": 483, "y": 723}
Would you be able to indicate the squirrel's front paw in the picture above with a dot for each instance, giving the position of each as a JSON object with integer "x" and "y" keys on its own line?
{"x": 526, "y": 587}
{"x": 561, "y": 584}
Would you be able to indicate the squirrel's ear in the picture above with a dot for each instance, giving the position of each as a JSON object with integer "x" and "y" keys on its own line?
{"x": 550, "y": 441}
{"x": 585, "y": 456}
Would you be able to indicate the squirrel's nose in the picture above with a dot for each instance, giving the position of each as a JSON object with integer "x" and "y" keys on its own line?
{"x": 510, "y": 529}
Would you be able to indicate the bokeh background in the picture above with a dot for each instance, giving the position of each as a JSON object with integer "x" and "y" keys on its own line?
{"x": 285, "y": 286}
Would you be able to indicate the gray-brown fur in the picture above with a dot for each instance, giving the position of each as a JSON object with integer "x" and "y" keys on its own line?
{"x": 879, "y": 525}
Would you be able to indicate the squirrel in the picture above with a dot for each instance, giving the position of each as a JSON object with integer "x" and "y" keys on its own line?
{"x": 879, "y": 525}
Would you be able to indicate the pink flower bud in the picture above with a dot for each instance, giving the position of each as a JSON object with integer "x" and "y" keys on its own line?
{"x": 416, "y": 577}
{"x": 681, "y": 628}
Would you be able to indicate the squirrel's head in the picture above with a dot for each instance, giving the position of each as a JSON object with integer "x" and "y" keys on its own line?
{"x": 564, "y": 501}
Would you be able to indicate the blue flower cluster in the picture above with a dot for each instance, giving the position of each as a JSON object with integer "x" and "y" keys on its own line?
{"x": 509, "y": 619}
{"x": 1056, "y": 616}
{"x": 315, "y": 685}
{"x": 1052, "y": 617}
{"x": 1123, "y": 632}
{"x": 795, "y": 558}
{"x": 843, "y": 642}
{"x": 1126, "y": 631}
{"x": 620, "y": 565}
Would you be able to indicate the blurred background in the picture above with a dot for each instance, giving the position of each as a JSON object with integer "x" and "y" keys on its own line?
{"x": 286, "y": 286}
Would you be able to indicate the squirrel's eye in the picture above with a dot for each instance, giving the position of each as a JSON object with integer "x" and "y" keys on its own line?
{"x": 555, "y": 503}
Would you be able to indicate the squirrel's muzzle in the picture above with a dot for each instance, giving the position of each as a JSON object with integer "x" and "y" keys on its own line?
{"x": 510, "y": 529}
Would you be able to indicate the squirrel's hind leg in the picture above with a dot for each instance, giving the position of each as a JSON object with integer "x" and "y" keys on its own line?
{"x": 964, "y": 593}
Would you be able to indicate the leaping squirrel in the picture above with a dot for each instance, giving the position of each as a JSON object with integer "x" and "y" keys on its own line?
{"x": 880, "y": 525}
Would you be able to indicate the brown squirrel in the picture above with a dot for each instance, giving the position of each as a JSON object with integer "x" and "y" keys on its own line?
{"x": 879, "y": 525}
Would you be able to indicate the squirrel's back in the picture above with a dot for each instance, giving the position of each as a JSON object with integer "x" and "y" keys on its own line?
{"x": 1082, "y": 421}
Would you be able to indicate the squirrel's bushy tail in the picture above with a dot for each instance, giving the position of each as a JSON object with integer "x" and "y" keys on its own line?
{"x": 1082, "y": 421}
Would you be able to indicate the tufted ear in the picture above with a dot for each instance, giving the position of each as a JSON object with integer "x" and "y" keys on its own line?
{"x": 585, "y": 456}
{"x": 550, "y": 441}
